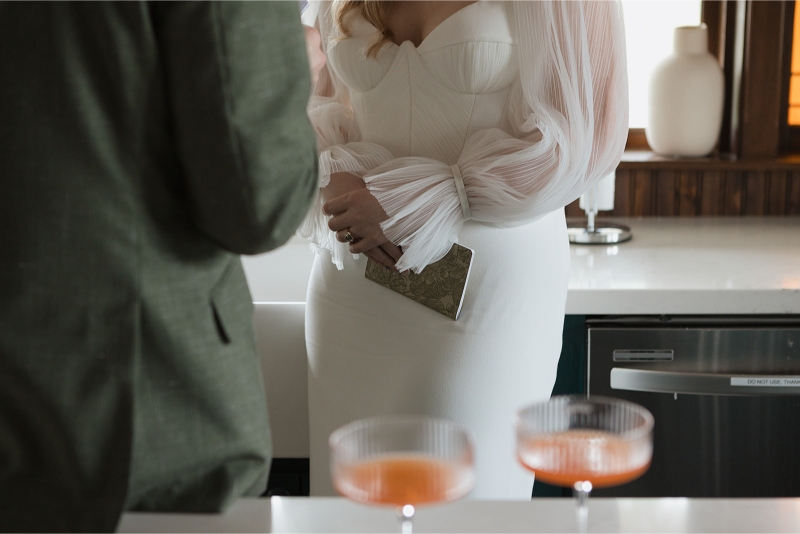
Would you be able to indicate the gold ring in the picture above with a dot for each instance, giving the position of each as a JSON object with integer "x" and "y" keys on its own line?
{"x": 349, "y": 237}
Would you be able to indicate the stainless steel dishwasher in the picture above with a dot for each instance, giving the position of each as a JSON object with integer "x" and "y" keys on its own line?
{"x": 725, "y": 393}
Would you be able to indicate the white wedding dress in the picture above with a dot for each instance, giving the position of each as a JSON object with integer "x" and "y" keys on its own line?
{"x": 527, "y": 104}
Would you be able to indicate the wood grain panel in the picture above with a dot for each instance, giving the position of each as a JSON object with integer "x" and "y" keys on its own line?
{"x": 756, "y": 184}
{"x": 761, "y": 87}
{"x": 574, "y": 209}
{"x": 778, "y": 191}
{"x": 687, "y": 194}
{"x": 733, "y": 200}
{"x": 713, "y": 15}
{"x": 635, "y": 160}
{"x": 793, "y": 204}
{"x": 643, "y": 193}
{"x": 665, "y": 189}
{"x": 709, "y": 193}
{"x": 637, "y": 140}
{"x": 712, "y": 189}
{"x": 622, "y": 196}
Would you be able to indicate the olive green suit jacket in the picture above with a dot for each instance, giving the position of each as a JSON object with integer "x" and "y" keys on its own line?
{"x": 142, "y": 148}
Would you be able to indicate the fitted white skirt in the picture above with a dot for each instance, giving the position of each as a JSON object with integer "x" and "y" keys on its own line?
{"x": 374, "y": 352}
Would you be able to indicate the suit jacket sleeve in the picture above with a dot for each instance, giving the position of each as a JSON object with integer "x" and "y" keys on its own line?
{"x": 238, "y": 84}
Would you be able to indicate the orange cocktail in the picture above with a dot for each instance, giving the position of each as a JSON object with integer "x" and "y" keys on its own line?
{"x": 580, "y": 442}
{"x": 403, "y": 462}
{"x": 596, "y": 456}
{"x": 403, "y": 479}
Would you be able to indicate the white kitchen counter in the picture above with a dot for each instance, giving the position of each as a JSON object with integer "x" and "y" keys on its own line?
{"x": 302, "y": 514}
{"x": 699, "y": 265}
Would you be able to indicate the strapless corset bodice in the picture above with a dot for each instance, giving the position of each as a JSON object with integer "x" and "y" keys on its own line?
{"x": 427, "y": 100}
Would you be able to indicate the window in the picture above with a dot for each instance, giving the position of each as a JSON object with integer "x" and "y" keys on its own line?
{"x": 790, "y": 113}
{"x": 794, "y": 84}
{"x": 753, "y": 41}
{"x": 648, "y": 33}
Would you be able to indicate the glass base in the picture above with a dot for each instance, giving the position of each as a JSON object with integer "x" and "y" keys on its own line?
{"x": 605, "y": 233}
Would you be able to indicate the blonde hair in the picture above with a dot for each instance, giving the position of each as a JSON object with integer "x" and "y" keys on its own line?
{"x": 374, "y": 11}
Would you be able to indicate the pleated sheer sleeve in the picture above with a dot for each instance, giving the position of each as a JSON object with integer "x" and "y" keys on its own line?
{"x": 338, "y": 141}
{"x": 570, "y": 116}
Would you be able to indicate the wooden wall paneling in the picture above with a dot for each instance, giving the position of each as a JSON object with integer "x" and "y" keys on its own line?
{"x": 734, "y": 192}
{"x": 688, "y": 194}
{"x": 573, "y": 209}
{"x": 793, "y": 200}
{"x": 637, "y": 140}
{"x": 666, "y": 189}
{"x": 777, "y": 193}
{"x": 622, "y": 193}
{"x": 643, "y": 193}
{"x": 713, "y": 15}
{"x": 712, "y": 191}
{"x": 756, "y": 183}
{"x": 762, "y": 88}
{"x": 708, "y": 192}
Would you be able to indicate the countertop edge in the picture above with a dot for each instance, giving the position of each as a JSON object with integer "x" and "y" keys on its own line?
{"x": 682, "y": 301}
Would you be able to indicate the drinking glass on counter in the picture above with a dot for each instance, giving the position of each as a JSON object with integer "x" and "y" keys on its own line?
{"x": 585, "y": 443}
{"x": 402, "y": 461}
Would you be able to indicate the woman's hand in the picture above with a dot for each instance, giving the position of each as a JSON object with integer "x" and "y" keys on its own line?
{"x": 340, "y": 184}
{"x": 354, "y": 209}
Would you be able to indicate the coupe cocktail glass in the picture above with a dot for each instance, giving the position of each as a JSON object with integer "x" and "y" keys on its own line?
{"x": 402, "y": 461}
{"x": 585, "y": 443}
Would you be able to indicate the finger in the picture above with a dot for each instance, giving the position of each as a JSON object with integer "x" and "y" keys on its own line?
{"x": 337, "y": 205}
{"x": 364, "y": 244}
{"x": 372, "y": 257}
{"x": 341, "y": 236}
{"x": 341, "y": 222}
{"x": 378, "y": 255}
{"x": 392, "y": 250}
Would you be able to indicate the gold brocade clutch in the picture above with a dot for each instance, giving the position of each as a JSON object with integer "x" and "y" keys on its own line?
{"x": 440, "y": 286}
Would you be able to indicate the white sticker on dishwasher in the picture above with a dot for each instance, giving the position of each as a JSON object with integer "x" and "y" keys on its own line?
{"x": 766, "y": 381}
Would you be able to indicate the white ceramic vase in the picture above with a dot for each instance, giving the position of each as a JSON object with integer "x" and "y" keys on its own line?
{"x": 685, "y": 97}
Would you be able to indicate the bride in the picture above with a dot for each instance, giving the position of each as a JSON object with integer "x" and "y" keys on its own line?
{"x": 443, "y": 122}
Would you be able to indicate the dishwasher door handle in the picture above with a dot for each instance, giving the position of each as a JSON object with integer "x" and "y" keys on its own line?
{"x": 703, "y": 383}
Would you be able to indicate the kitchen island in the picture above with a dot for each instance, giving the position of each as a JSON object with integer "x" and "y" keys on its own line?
{"x": 691, "y": 265}
{"x": 694, "y": 266}
{"x": 741, "y": 268}
{"x": 298, "y": 514}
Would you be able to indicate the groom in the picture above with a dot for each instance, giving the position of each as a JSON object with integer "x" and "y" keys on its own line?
{"x": 142, "y": 148}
